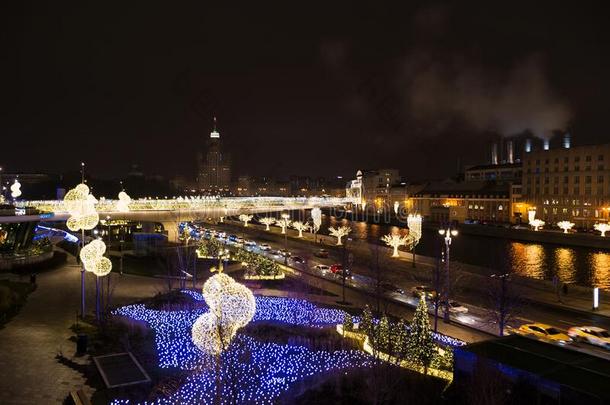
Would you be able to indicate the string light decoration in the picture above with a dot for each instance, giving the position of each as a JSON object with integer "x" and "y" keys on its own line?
{"x": 537, "y": 224}
{"x": 245, "y": 218}
{"x": 339, "y": 233}
{"x": 565, "y": 225}
{"x": 123, "y": 204}
{"x": 316, "y": 216}
{"x": 81, "y": 207}
{"x": 602, "y": 227}
{"x": 414, "y": 222}
{"x": 270, "y": 370}
{"x": 283, "y": 223}
{"x": 396, "y": 206}
{"x": 92, "y": 256}
{"x": 300, "y": 226}
{"x": 232, "y": 306}
{"x": 395, "y": 241}
{"x": 16, "y": 189}
{"x": 267, "y": 221}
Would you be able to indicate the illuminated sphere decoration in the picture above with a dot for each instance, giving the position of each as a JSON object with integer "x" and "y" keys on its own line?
{"x": 232, "y": 306}
{"x": 81, "y": 207}
{"x": 16, "y": 189}
{"x": 123, "y": 203}
{"x": 92, "y": 256}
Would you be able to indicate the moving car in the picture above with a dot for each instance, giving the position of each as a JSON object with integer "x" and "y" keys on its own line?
{"x": 455, "y": 307}
{"x": 591, "y": 334}
{"x": 265, "y": 246}
{"x": 249, "y": 243}
{"x": 321, "y": 253}
{"x": 298, "y": 259}
{"x": 543, "y": 331}
{"x": 337, "y": 270}
{"x": 420, "y": 290}
{"x": 284, "y": 253}
{"x": 390, "y": 288}
{"x": 322, "y": 268}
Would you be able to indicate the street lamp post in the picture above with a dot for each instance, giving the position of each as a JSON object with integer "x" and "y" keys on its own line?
{"x": 83, "y": 307}
{"x": 285, "y": 216}
{"x": 447, "y": 232}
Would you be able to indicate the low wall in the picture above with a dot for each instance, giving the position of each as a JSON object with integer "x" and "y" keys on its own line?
{"x": 9, "y": 263}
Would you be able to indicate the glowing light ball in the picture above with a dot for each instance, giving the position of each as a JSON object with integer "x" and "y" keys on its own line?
{"x": 316, "y": 216}
{"x": 123, "y": 203}
{"x": 232, "y": 306}
{"x": 92, "y": 256}
{"x": 81, "y": 207}
{"x": 16, "y": 189}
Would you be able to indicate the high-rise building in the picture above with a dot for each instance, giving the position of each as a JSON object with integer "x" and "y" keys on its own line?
{"x": 214, "y": 167}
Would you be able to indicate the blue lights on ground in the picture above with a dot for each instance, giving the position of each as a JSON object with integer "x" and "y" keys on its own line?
{"x": 251, "y": 371}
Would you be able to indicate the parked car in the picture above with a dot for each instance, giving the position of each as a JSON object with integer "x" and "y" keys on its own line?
{"x": 545, "y": 332}
{"x": 284, "y": 253}
{"x": 264, "y": 246}
{"x": 321, "y": 253}
{"x": 420, "y": 290}
{"x": 249, "y": 243}
{"x": 590, "y": 334}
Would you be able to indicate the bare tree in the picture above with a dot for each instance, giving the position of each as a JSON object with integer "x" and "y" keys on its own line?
{"x": 505, "y": 302}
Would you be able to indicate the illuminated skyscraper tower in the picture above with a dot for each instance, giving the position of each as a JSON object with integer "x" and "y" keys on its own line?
{"x": 214, "y": 167}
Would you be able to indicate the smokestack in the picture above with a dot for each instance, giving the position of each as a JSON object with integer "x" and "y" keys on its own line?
{"x": 567, "y": 140}
{"x": 546, "y": 144}
{"x": 528, "y": 145}
{"x": 509, "y": 152}
{"x": 494, "y": 154}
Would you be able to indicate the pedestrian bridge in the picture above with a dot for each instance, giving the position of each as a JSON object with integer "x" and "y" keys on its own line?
{"x": 169, "y": 212}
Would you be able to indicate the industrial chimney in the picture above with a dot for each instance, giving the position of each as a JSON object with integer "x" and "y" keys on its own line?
{"x": 494, "y": 154}
{"x": 510, "y": 158}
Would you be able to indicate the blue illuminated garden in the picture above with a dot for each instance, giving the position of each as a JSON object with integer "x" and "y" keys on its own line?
{"x": 292, "y": 351}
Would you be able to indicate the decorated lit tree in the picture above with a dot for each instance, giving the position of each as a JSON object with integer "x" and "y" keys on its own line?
{"x": 245, "y": 218}
{"x": 209, "y": 248}
{"x": 420, "y": 345}
{"x": 300, "y": 226}
{"x": 383, "y": 334}
{"x": 395, "y": 241}
{"x": 400, "y": 339}
{"x": 348, "y": 322}
{"x": 283, "y": 223}
{"x": 316, "y": 217}
{"x": 366, "y": 321}
{"x": 602, "y": 227}
{"x": 267, "y": 221}
{"x": 339, "y": 233}
{"x": 565, "y": 225}
{"x": 537, "y": 224}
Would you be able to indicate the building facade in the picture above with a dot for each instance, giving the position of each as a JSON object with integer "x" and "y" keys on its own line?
{"x": 214, "y": 167}
{"x": 568, "y": 183}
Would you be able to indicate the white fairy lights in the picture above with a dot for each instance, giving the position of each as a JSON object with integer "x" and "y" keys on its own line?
{"x": 245, "y": 218}
{"x": 565, "y": 225}
{"x": 339, "y": 233}
{"x": 16, "y": 189}
{"x": 395, "y": 241}
{"x": 602, "y": 227}
{"x": 300, "y": 226}
{"x": 267, "y": 221}
{"x": 81, "y": 207}
{"x": 122, "y": 204}
{"x": 92, "y": 256}
{"x": 232, "y": 306}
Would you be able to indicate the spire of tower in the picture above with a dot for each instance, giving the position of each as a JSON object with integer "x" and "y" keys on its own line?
{"x": 214, "y": 133}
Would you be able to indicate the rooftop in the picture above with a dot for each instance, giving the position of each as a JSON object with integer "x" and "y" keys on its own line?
{"x": 565, "y": 366}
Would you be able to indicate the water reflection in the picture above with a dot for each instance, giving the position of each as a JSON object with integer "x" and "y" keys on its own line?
{"x": 582, "y": 266}
{"x": 528, "y": 260}
{"x": 565, "y": 264}
{"x": 600, "y": 270}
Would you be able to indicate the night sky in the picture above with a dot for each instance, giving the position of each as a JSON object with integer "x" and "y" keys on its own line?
{"x": 298, "y": 87}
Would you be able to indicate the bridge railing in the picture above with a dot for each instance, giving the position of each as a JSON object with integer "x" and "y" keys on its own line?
{"x": 230, "y": 204}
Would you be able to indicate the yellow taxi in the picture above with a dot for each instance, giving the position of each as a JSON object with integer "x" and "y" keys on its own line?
{"x": 542, "y": 331}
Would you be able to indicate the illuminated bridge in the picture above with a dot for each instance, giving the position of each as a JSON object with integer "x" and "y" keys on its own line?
{"x": 169, "y": 212}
